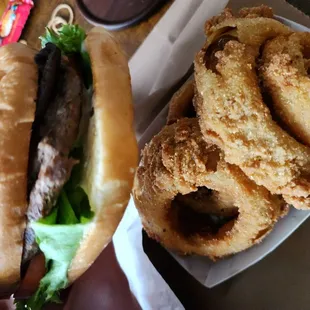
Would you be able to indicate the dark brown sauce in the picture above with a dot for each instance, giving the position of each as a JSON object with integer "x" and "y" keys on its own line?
{"x": 116, "y": 10}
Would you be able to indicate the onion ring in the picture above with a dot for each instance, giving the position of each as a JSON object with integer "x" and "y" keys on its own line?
{"x": 232, "y": 112}
{"x": 181, "y": 106}
{"x": 178, "y": 161}
{"x": 285, "y": 73}
{"x": 56, "y": 21}
{"x": 248, "y": 30}
{"x": 181, "y": 103}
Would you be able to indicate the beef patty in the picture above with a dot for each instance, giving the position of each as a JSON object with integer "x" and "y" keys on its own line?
{"x": 55, "y": 130}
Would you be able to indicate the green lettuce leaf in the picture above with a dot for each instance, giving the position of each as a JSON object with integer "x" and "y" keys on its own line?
{"x": 69, "y": 40}
{"x": 75, "y": 194}
{"x": 59, "y": 244}
{"x": 66, "y": 213}
{"x": 51, "y": 219}
{"x": 58, "y": 236}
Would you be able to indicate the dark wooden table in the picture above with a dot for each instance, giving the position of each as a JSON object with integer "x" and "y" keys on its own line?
{"x": 129, "y": 38}
{"x": 301, "y": 5}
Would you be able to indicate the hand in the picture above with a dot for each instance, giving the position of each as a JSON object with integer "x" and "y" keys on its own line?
{"x": 6, "y": 304}
{"x": 103, "y": 286}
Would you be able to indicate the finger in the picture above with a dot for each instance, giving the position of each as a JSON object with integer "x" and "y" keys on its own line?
{"x": 103, "y": 286}
{"x": 7, "y": 304}
{"x": 30, "y": 282}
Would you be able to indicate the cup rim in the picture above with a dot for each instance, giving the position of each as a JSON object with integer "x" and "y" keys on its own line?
{"x": 95, "y": 20}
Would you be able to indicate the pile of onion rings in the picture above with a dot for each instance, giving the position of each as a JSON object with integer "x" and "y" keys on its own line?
{"x": 235, "y": 151}
{"x": 228, "y": 213}
{"x": 252, "y": 79}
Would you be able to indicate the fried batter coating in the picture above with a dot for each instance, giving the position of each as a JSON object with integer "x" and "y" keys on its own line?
{"x": 285, "y": 74}
{"x": 181, "y": 103}
{"x": 178, "y": 161}
{"x": 181, "y": 106}
{"x": 258, "y": 11}
{"x": 227, "y": 14}
{"x": 232, "y": 111}
{"x": 253, "y": 31}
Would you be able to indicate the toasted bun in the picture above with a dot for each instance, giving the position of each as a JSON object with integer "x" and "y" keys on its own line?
{"x": 112, "y": 152}
{"x": 18, "y": 83}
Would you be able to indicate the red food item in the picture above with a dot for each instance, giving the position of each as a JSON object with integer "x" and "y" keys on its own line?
{"x": 13, "y": 20}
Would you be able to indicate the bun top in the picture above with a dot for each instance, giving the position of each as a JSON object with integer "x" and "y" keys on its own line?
{"x": 18, "y": 83}
{"x": 111, "y": 148}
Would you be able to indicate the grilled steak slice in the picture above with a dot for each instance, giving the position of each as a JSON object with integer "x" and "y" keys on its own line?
{"x": 58, "y": 131}
{"x": 49, "y": 66}
{"x": 55, "y": 170}
{"x": 48, "y": 61}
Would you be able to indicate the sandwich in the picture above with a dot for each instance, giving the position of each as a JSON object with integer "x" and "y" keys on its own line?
{"x": 67, "y": 160}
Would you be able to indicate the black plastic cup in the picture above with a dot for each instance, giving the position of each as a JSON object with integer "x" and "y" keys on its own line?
{"x": 118, "y": 14}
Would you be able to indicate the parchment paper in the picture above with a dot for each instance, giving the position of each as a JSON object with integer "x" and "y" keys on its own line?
{"x": 162, "y": 60}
